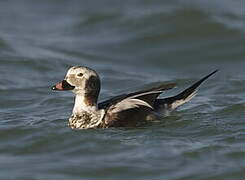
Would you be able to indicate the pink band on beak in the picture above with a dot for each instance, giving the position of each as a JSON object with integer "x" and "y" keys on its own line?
{"x": 59, "y": 86}
{"x": 63, "y": 86}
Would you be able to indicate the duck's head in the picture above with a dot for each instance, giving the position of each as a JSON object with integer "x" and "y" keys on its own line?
{"x": 82, "y": 81}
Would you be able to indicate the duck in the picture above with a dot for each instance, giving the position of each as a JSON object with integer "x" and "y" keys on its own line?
{"x": 125, "y": 110}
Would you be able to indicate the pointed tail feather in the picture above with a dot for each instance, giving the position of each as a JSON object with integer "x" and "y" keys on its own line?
{"x": 183, "y": 97}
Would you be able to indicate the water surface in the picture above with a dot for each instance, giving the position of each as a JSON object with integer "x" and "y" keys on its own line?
{"x": 131, "y": 44}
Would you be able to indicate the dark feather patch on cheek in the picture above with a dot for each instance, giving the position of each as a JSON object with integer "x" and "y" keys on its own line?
{"x": 92, "y": 84}
{"x": 92, "y": 88}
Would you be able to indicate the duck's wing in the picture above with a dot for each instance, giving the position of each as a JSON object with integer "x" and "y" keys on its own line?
{"x": 132, "y": 109}
{"x": 140, "y": 98}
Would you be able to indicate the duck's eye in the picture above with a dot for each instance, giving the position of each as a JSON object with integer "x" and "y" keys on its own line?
{"x": 80, "y": 74}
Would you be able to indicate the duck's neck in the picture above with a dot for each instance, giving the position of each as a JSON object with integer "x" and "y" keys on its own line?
{"x": 83, "y": 104}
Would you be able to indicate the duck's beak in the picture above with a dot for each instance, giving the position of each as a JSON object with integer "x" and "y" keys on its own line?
{"x": 63, "y": 86}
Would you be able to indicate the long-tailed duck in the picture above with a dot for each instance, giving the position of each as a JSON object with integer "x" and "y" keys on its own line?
{"x": 126, "y": 110}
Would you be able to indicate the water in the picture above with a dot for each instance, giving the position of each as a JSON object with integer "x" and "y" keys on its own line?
{"x": 131, "y": 43}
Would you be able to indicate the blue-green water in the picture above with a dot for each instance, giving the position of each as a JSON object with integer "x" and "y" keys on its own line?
{"x": 130, "y": 43}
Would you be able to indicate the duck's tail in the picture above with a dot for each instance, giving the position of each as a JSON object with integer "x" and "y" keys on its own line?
{"x": 173, "y": 102}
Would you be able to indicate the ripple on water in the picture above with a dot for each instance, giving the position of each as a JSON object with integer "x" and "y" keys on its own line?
{"x": 132, "y": 44}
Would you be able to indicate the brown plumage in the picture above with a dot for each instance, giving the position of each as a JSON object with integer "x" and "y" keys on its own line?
{"x": 126, "y": 110}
